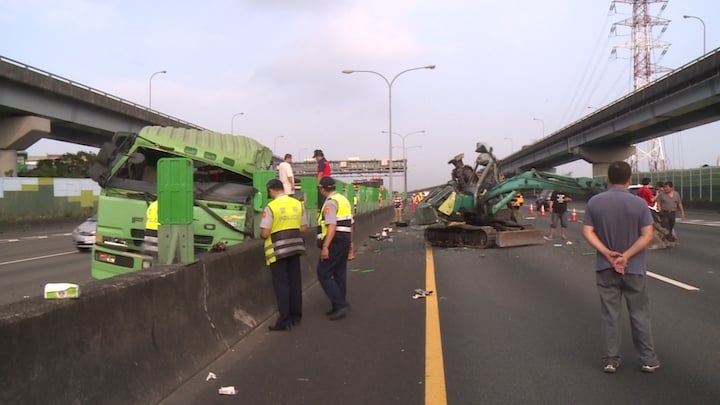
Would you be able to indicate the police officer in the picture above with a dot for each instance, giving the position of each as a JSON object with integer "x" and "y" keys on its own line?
{"x": 282, "y": 224}
{"x": 334, "y": 238}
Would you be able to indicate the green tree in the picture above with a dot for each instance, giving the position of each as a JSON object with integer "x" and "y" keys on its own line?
{"x": 69, "y": 165}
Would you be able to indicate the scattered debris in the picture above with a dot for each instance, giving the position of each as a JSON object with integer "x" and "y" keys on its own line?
{"x": 54, "y": 291}
{"x": 420, "y": 293}
{"x": 587, "y": 254}
{"x": 229, "y": 390}
{"x": 557, "y": 244}
{"x": 568, "y": 243}
{"x": 218, "y": 247}
{"x": 303, "y": 379}
{"x": 211, "y": 376}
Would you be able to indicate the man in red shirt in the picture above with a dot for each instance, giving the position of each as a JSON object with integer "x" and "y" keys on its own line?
{"x": 323, "y": 171}
{"x": 645, "y": 193}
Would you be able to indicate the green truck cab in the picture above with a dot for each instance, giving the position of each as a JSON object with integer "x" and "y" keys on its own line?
{"x": 225, "y": 191}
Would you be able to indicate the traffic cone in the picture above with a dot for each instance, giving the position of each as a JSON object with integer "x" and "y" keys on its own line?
{"x": 542, "y": 210}
{"x": 531, "y": 210}
{"x": 573, "y": 216}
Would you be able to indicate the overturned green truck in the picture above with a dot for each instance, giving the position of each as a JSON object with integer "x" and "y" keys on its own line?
{"x": 225, "y": 197}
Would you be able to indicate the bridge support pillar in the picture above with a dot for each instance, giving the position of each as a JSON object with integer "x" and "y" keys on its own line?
{"x": 602, "y": 156}
{"x": 19, "y": 133}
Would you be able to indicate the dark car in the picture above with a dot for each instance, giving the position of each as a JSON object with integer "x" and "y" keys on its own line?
{"x": 543, "y": 200}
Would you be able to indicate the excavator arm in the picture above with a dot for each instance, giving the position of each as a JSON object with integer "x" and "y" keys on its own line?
{"x": 507, "y": 189}
{"x": 474, "y": 208}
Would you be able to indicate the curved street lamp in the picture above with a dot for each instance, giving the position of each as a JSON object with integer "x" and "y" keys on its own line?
{"x": 390, "y": 131}
{"x": 422, "y": 131}
{"x": 275, "y": 143}
{"x": 232, "y": 121}
{"x": 543, "y": 125}
{"x": 703, "y": 24}
{"x": 150, "y": 87}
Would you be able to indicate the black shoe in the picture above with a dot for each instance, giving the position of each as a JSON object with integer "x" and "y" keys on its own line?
{"x": 330, "y": 311}
{"x": 338, "y": 314}
{"x": 295, "y": 322}
{"x": 276, "y": 328}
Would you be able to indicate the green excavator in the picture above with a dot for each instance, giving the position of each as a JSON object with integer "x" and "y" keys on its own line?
{"x": 475, "y": 208}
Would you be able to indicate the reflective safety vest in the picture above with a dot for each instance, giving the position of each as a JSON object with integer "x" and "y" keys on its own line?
{"x": 285, "y": 239}
{"x": 151, "y": 214}
{"x": 343, "y": 216}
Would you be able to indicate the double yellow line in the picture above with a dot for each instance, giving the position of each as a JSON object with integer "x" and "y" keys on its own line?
{"x": 435, "y": 393}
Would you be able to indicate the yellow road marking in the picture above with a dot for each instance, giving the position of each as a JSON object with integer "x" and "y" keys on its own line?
{"x": 434, "y": 367}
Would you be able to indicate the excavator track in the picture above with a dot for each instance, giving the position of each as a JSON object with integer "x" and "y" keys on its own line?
{"x": 460, "y": 235}
{"x": 483, "y": 237}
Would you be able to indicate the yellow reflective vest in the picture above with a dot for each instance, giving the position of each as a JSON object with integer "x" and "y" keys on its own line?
{"x": 285, "y": 239}
{"x": 343, "y": 216}
{"x": 151, "y": 214}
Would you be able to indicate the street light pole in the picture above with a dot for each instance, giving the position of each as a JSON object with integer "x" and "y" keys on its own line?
{"x": 703, "y": 25}
{"x": 150, "y": 87}
{"x": 275, "y": 143}
{"x": 390, "y": 131}
{"x": 543, "y": 125}
{"x": 232, "y": 121}
{"x": 422, "y": 131}
{"x": 512, "y": 144}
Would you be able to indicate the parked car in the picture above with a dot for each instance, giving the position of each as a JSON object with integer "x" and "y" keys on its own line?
{"x": 543, "y": 200}
{"x": 84, "y": 235}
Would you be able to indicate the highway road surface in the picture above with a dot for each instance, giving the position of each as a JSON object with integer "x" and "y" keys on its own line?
{"x": 502, "y": 326}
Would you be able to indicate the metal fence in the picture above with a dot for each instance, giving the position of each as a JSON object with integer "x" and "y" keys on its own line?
{"x": 700, "y": 184}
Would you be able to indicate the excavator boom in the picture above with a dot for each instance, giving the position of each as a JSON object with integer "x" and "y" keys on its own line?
{"x": 474, "y": 208}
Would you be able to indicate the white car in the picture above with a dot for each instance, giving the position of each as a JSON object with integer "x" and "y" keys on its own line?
{"x": 84, "y": 235}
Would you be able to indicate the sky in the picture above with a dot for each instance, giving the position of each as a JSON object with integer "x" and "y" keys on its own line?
{"x": 505, "y": 74}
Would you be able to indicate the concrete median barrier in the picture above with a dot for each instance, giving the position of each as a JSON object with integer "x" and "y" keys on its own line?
{"x": 133, "y": 338}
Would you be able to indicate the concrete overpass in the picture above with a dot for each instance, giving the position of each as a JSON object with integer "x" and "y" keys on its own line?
{"x": 35, "y": 104}
{"x": 686, "y": 98}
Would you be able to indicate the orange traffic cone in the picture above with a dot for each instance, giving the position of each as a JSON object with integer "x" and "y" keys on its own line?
{"x": 531, "y": 210}
{"x": 573, "y": 216}
{"x": 542, "y": 210}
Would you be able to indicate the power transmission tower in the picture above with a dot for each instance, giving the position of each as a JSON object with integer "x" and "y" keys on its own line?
{"x": 642, "y": 44}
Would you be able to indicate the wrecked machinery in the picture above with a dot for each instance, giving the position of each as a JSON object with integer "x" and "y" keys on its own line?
{"x": 223, "y": 192}
{"x": 475, "y": 207}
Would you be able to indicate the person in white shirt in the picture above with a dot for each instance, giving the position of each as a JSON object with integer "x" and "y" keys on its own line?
{"x": 285, "y": 174}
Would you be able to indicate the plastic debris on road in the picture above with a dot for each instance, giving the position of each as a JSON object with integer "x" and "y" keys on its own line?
{"x": 420, "y": 293}
{"x": 229, "y": 390}
{"x": 211, "y": 376}
{"x": 55, "y": 291}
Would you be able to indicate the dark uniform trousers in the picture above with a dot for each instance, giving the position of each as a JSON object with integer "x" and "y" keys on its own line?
{"x": 332, "y": 273}
{"x": 287, "y": 283}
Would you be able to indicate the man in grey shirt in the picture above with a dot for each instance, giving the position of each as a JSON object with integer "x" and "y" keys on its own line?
{"x": 669, "y": 202}
{"x": 619, "y": 226}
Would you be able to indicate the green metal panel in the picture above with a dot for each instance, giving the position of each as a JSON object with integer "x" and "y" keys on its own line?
{"x": 309, "y": 186}
{"x": 175, "y": 191}
{"x": 260, "y": 180}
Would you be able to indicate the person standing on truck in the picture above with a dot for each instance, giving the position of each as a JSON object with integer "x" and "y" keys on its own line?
{"x": 150, "y": 241}
{"x": 323, "y": 171}
{"x": 619, "y": 226}
{"x": 285, "y": 174}
{"x": 335, "y": 223}
{"x": 558, "y": 207}
{"x": 282, "y": 224}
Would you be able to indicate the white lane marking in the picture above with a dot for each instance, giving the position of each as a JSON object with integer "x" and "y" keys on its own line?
{"x": 673, "y": 282}
{"x": 37, "y": 258}
{"x": 26, "y": 238}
